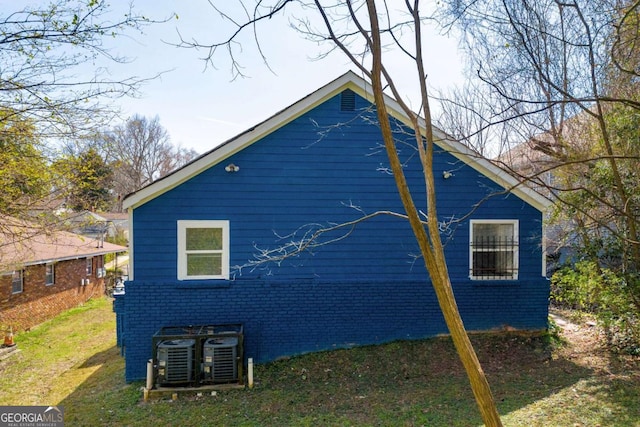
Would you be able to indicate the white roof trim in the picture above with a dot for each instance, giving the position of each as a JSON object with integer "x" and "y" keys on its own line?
{"x": 351, "y": 81}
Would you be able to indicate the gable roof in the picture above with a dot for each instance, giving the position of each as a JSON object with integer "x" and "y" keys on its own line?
{"x": 23, "y": 243}
{"x": 358, "y": 85}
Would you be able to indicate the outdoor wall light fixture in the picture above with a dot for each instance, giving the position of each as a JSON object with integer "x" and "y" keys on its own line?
{"x": 447, "y": 174}
{"x": 232, "y": 168}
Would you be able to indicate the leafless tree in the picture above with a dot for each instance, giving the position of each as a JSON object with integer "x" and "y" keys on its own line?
{"x": 55, "y": 63}
{"x": 140, "y": 151}
{"x": 364, "y": 31}
{"x": 178, "y": 157}
{"x": 561, "y": 74}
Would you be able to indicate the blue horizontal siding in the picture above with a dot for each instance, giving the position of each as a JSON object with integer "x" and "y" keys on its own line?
{"x": 294, "y": 177}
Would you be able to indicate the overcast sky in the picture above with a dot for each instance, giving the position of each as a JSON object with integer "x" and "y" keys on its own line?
{"x": 201, "y": 108}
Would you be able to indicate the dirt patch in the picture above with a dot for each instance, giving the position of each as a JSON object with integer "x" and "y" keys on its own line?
{"x": 586, "y": 345}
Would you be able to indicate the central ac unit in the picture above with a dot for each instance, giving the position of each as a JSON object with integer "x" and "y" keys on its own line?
{"x": 219, "y": 359}
{"x": 192, "y": 355}
{"x": 175, "y": 361}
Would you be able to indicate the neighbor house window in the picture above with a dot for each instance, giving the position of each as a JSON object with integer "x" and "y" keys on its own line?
{"x": 49, "y": 274}
{"x": 494, "y": 249}
{"x": 89, "y": 266}
{"x": 17, "y": 281}
{"x": 203, "y": 250}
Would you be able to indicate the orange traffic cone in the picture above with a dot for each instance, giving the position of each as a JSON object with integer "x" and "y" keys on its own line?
{"x": 8, "y": 338}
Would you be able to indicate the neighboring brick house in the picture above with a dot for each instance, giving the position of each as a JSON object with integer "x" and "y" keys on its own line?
{"x": 43, "y": 272}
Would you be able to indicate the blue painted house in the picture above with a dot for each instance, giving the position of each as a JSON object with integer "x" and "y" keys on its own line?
{"x": 200, "y": 236}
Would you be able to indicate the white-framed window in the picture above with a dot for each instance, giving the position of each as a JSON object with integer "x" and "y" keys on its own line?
{"x": 49, "y": 274}
{"x": 203, "y": 249}
{"x": 17, "y": 281}
{"x": 89, "y": 266}
{"x": 493, "y": 249}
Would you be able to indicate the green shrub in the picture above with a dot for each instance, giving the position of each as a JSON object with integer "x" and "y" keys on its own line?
{"x": 623, "y": 333}
{"x": 607, "y": 294}
{"x": 575, "y": 286}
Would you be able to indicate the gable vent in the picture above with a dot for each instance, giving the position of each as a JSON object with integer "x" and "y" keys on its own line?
{"x": 347, "y": 100}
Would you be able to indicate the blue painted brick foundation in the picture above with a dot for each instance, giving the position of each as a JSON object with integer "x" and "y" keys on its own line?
{"x": 119, "y": 310}
{"x": 288, "y": 318}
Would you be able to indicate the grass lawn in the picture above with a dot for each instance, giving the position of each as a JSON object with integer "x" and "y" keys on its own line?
{"x": 73, "y": 361}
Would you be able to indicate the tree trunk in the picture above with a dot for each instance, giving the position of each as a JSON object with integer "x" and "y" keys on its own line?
{"x": 430, "y": 244}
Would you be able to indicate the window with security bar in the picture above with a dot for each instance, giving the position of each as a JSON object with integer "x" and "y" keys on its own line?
{"x": 494, "y": 250}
